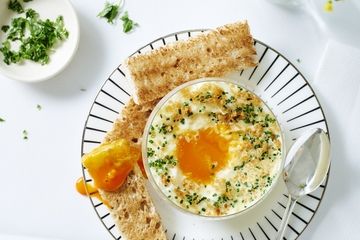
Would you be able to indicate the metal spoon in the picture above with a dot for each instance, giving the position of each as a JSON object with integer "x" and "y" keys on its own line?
{"x": 307, "y": 164}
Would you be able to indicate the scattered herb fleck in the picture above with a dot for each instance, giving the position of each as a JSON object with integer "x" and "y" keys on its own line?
{"x": 298, "y": 60}
{"x": 2, "y": 120}
{"x": 38, "y": 106}
{"x": 191, "y": 198}
{"x": 128, "y": 24}
{"x": 201, "y": 199}
{"x": 221, "y": 200}
{"x": 162, "y": 163}
{"x": 25, "y": 135}
{"x": 150, "y": 152}
{"x": 227, "y": 186}
{"x": 165, "y": 129}
{"x": 239, "y": 166}
{"x": 110, "y": 12}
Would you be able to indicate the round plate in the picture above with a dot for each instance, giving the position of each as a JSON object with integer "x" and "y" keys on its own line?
{"x": 291, "y": 99}
{"x": 29, "y": 71}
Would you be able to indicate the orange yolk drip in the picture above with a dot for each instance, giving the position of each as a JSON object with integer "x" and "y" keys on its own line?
{"x": 141, "y": 166}
{"x": 110, "y": 163}
{"x": 201, "y": 154}
{"x": 82, "y": 186}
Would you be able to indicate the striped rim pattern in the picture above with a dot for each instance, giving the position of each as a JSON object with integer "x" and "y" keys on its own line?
{"x": 286, "y": 92}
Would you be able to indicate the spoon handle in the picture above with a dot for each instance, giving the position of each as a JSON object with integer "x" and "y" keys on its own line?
{"x": 288, "y": 210}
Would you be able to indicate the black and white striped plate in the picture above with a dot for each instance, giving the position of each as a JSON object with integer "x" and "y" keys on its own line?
{"x": 292, "y": 100}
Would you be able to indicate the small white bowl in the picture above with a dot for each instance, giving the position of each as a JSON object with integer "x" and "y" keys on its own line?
{"x": 29, "y": 71}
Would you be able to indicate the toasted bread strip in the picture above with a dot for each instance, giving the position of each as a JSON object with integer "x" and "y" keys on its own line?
{"x": 133, "y": 210}
{"x": 212, "y": 54}
{"x": 131, "y": 206}
{"x": 132, "y": 122}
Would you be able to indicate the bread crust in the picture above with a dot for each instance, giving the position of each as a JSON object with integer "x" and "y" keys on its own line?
{"x": 212, "y": 54}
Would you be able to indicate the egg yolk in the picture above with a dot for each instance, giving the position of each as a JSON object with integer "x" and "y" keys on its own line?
{"x": 88, "y": 189}
{"x": 201, "y": 154}
{"x": 81, "y": 187}
{"x": 110, "y": 163}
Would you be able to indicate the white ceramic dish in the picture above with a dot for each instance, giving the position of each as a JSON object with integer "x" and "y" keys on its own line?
{"x": 34, "y": 72}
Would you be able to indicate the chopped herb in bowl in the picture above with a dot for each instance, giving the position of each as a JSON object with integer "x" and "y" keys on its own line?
{"x": 16, "y": 6}
{"x": 5, "y": 28}
{"x": 36, "y": 38}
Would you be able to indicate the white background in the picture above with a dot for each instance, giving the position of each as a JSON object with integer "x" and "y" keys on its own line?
{"x": 37, "y": 196}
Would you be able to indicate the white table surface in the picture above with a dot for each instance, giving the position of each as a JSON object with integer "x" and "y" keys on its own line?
{"x": 37, "y": 176}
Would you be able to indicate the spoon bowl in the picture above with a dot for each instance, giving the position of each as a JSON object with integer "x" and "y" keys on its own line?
{"x": 306, "y": 167}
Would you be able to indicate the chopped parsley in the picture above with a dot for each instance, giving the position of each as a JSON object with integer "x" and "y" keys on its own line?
{"x": 201, "y": 199}
{"x": 269, "y": 119}
{"x": 165, "y": 129}
{"x": 25, "y": 135}
{"x": 128, "y": 24}
{"x": 150, "y": 152}
{"x": 38, "y": 106}
{"x": 2, "y": 120}
{"x": 238, "y": 167}
{"x": 191, "y": 198}
{"x": 36, "y": 37}
{"x": 268, "y": 132}
{"x": 110, "y": 12}
{"x": 163, "y": 163}
{"x": 227, "y": 186}
{"x": 5, "y": 28}
{"x": 208, "y": 95}
{"x": 221, "y": 200}
{"x": 230, "y": 100}
{"x": 15, "y": 6}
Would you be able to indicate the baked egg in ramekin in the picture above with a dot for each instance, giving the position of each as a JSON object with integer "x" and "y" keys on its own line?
{"x": 212, "y": 148}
